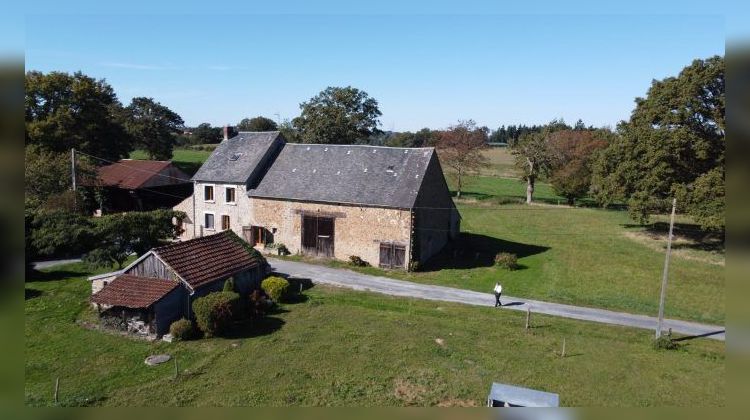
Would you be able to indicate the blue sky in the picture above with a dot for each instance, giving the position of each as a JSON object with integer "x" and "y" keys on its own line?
{"x": 425, "y": 70}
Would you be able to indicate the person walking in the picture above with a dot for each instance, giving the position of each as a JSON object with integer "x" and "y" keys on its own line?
{"x": 498, "y": 291}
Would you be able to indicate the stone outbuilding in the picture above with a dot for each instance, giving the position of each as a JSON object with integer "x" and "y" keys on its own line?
{"x": 389, "y": 206}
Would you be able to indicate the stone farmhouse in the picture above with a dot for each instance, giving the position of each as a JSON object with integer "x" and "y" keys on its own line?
{"x": 388, "y": 206}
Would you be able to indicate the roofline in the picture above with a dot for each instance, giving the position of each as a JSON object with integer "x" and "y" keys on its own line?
{"x": 360, "y": 145}
{"x": 380, "y": 206}
{"x": 105, "y": 275}
{"x": 174, "y": 271}
{"x": 254, "y": 132}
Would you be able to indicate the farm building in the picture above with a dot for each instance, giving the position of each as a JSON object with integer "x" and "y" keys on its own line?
{"x": 142, "y": 185}
{"x": 159, "y": 287}
{"x": 389, "y": 206}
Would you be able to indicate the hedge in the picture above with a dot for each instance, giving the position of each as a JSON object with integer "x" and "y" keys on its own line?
{"x": 215, "y": 311}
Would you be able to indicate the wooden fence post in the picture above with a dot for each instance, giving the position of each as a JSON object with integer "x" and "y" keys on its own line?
{"x": 57, "y": 387}
{"x": 563, "y": 349}
{"x": 176, "y": 368}
{"x": 528, "y": 317}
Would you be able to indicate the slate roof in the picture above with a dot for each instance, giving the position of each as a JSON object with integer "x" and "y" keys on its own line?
{"x": 203, "y": 260}
{"x": 355, "y": 174}
{"x": 133, "y": 174}
{"x": 248, "y": 147}
{"x": 133, "y": 291}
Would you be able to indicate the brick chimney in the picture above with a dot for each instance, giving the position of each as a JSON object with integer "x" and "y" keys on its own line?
{"x": 226, "y": 132}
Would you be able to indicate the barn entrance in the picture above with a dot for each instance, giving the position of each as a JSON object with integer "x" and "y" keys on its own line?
{"x": 317, "y": 235}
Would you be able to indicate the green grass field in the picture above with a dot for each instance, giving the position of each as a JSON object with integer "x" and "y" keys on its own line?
{"x": 341, "y": 347}
{"x": 187, "y": 160}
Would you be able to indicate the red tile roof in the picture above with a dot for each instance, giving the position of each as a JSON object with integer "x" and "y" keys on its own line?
{"x": 133, "y": 291}
{"x": 132, "y": 174}
{"x": 203, "y": 260}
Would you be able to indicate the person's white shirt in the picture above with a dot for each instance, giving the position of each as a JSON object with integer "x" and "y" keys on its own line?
{"x": 498, "y": 288}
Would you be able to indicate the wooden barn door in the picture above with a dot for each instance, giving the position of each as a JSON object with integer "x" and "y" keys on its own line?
{"x": 318, "y": 235}
{"x": 392, "y": 255}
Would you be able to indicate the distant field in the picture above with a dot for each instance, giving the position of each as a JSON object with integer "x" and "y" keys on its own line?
{"x": 348, "y": 348}
{"x": 187, "y": 160}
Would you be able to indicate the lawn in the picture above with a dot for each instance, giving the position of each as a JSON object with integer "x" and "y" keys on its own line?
{"x": 185, "y": 159}
{"x": 340, "y": 347}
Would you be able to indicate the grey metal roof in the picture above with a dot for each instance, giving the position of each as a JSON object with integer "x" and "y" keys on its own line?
{"x": 249, "y": 149}
{"x": 354, "y": 174}
{"x": 523, "y": 397}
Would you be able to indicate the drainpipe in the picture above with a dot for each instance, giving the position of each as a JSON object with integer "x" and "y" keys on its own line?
{"x": 194, "y": 218}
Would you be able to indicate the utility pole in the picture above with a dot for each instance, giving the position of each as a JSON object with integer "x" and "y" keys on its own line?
{"x": 666, "y": 271}
{"x": 73, "y": 174}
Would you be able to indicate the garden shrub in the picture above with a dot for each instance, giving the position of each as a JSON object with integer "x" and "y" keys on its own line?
{"x": 665, "y": 343}
{"x": 506, "y": 260}
{"x": 358, "y": 262}
{"x": 276, "y": 288}
{"x": 181, "y": 330}
{"x": 215, "y": 312}
{"x": 282, "y": 249}
{"x": 414, "y": 266}
{"x": 229, "y": 285}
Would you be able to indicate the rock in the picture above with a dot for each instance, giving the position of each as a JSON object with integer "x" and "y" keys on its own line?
{"x": 157, "y": 359}
{"x": 440, "y": 341}
{"x": 167, "y": 337}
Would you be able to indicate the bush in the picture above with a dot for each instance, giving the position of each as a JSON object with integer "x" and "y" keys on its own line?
{"x": 506, "y": 260}
{"x": 215, "y": 312}
{"x": 282, "y": 249}
{"x": 414, "y": 266}
{"x": 229, "y": 285}
{"x": 182, "y": 330}
{"x": 665, "y": 342}
{"x": 358, "y": 262}
{"x": 276, "y": 288}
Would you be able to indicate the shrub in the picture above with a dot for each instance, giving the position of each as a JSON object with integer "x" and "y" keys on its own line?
{"x": 414, "y": 266}
{"x": 215, "y": 312}
{"x": 358, "y": 262}
{"x": 506, "y": 260}
{"x": 282, "y": 249}
{"x": 275, "y": 287}
{"x": 181, "y": 330}
{"x": 665, "y": 343}
{"x": 229, "y": 285}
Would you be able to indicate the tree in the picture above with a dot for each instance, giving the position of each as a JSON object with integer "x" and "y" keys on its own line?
{"x": 56, "y": 233}
{"x": 64, "y": 111}
{"x": 338, "y": 116}
{"x": 672, "y": 146}
{"x": 533, "y": 157}
{"x": 290, "y": 133}
{"x": 571, "y": 152}
{"x": 119, "y": 235}
{"x": 460, "y": 148}
{"x": 205, "y": 134}
{"x": 153, "y": 127}
{"x": 257, "y": 124}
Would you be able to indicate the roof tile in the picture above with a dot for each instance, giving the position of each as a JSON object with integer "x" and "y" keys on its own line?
{"x": 133, "y": 291}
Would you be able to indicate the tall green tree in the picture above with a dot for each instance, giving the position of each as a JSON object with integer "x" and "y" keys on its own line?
{"x": 672, "y": 146}
{"x": 338, "y": 116}
{"x": 64, "y": 111}
{"x": 534, "y": 158}
{"x": 154, "y": 127}
{"x": 119, "y": 235}
{"x": 206, "y": 134}
{"x": 572, "y": 152}
{"x": 258, "y": 123}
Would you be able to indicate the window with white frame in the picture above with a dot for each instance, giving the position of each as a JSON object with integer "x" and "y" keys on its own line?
{"x": 208, "y": 193}
{"x": 208, "y": 221}
{"x": 230, "y": 197}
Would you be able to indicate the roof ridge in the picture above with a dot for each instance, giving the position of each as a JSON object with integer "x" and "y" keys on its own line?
{"x": 361, "y": 145}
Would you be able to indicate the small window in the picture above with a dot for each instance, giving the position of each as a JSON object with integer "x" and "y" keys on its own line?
{"x": 208, "y": 193}
{"x": 225, "y": 222}
{"x": 209, "y": 222}
{"x": 230, "y": 195}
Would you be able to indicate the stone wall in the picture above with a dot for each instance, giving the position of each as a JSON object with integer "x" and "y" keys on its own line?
{"x": 357, "y": 230}
{"x": 239, "y": 212}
